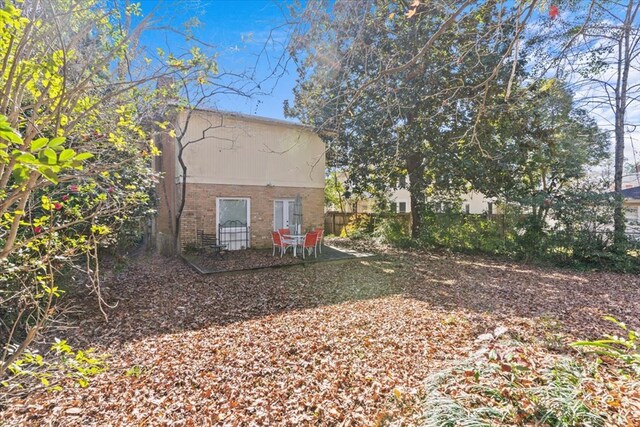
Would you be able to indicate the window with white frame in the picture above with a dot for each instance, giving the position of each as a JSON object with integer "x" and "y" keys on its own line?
{"x": 233, "y": 221}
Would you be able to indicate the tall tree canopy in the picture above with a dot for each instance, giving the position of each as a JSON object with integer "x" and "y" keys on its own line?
{"x": 535, "y": 147}
{"x": 413, "y": 121}
{"x": 446, "y": 92}
{"x": 595, "y": 45}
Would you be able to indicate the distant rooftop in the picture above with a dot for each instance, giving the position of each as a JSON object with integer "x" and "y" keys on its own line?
{"x": 631, "y": 193}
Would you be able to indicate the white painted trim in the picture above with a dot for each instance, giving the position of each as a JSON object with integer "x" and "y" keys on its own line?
{"x": 248, "y": 200}
{"x": 273, "y": 224}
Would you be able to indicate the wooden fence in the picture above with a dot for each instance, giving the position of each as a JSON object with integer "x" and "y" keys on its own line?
{"x": 336, "y": 222}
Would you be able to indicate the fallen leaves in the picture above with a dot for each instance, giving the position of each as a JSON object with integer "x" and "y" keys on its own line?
{"x": 347, "y": 343}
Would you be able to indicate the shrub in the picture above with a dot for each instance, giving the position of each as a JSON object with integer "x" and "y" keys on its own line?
{"x": 624, "y": 349}
{"x": 50, "y": 371}
{"x": 394, "y": 231}
{"x": 359, "y": 227}
{"x": 513, "y": 385}
{"x": 464, "y": 232}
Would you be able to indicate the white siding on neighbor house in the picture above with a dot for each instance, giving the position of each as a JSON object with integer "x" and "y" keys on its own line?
{"x": 401, "y": 195}
{"x": 247, "y": 151}
{"x": 477, "y": 203}
{"x": 631, "y": 180}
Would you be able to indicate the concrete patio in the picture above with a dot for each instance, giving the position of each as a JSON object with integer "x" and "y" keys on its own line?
{"x": 256, "y": 259}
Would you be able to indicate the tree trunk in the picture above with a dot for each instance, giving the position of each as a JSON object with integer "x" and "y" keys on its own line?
{"x": 417, "y": 187}
{"x": 183, "y": 198}
{"x": 622, "y": 85}
{"x": 618, "y": 212}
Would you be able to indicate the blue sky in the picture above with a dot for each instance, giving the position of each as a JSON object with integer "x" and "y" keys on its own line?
{"x": 239, "y": 30}
{"x": 242, "y": 32}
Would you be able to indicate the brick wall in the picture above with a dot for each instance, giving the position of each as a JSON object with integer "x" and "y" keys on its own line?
{"x": 200, "y": 209}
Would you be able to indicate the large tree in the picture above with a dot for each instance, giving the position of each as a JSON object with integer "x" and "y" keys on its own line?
{"x": 595, "y": 45}
{"x": 410, "y": 121}
{"x": 536, "y": 147}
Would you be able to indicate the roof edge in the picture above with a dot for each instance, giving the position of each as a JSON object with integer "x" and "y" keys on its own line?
{"x": 267, "y": 120}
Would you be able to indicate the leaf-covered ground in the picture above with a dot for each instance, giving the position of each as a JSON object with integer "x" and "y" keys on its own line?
{"x": 341, "y": 343}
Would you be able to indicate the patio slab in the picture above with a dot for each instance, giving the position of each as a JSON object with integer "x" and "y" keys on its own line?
{"x": 256, "y": 259}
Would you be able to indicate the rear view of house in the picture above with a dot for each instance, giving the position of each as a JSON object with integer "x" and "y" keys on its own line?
{"x": 243, "y": 176}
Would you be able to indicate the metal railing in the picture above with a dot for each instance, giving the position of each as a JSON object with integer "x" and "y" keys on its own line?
{"x": 235, "y": 234}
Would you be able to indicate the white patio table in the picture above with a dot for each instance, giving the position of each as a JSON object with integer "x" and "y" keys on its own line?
{"x": 297, "y": 239}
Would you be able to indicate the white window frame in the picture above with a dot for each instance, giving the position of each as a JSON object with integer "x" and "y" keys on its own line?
{"x": 232, "y": 198}
{"x": 248, "y": 200}
{"x": 273, "y": 225}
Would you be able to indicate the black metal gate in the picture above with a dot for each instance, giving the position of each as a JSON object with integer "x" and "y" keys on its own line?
{"x": 235, "y": 234}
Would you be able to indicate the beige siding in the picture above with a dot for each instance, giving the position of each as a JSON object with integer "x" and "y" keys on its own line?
{"x": 242, "y": 151}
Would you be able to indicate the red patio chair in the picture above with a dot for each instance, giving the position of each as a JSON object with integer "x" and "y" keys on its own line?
{"x": 284, "y": 231}
{"x": 320, "y": 232}
{"x": 279, "y": 242}
{"x": 310, "y": 241}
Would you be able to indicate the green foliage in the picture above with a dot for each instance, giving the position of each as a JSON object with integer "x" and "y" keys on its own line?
{"x": 359, "y": 227}
{"x": 60, "y": 365}
{"x": 536, "y": 146}
{"x": 574, "y": 231}
{"x": 394, "y": 231}
{"x": 508, "y": 386}
{"x": 623, "y": 348}
{"x": 134, "y": 371}
{"x": 411, "y": 122}
{"x": 76, "y": 114}
{"x": 470, "y": 233}
{"x": 334, "y": 192}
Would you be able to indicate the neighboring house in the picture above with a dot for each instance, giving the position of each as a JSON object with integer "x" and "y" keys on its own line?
{"x": 472, "y": 202}
{"x": 632, "y": 210}
{"x": 399, "y": 199}
{"x": 475, "y": 202}
{"x": 631, "y": 180}
{"x": 243, "y": 175}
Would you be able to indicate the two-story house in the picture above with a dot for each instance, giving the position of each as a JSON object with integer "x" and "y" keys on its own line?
{"x": 242, "y": 171}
